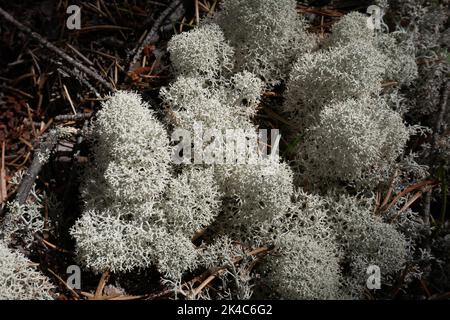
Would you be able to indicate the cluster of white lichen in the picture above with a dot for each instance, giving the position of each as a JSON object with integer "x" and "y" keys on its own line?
{"x": 326, "y": 245}
{"x": 355, "y": 140}
{"x": 267, "y": 36}
{"x": 425, "y": 22}
{"x": 141, "y": 211}
{"x": 344, "y": 71}
{"x": 350, "y": 133}
{"x": 306, "y": 262}
{"x": 131, "y": 156}
{"x": 365, "y": 240}
{"x": 227, "y": 101}
{"x": 192, "y": 200}
{"x": 209, "y": 61}
{"x": 23, "y": 221}
{"x": 127, "y": 222}
{"x": 395, "y": 49}
{"x": 19, "y": 279}
{"x": 305, "y": 269}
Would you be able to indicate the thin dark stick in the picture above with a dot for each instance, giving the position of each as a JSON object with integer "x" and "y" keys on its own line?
{"x": 426, "y": 218}
{"x": 73, "y": 171}
{"x": 82, "y": 80}
{"x": 442, "y": 111}
{"x": 437, "y": 131}
{"x": 74, "y": 117}
{"x": 47, "y": 143}
{"x": 55, "y": 49}
{"x": 153, "y": 36}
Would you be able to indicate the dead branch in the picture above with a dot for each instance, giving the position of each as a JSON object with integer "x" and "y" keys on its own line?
{"x": 442, "y": 111}
{"x": 73, "y": 117}
{"x": 439, "y": 125}
{"x": 46, "y": 145}
{"x": 412, "y": 187}
{"x": 101, "y": 285}
{"x": 153, "y": 36}
{"x": 83, "y": 80}
{"x": 3, "y": 191}
{"x": 437, "y": 130}
{"x": 74, "y": 293}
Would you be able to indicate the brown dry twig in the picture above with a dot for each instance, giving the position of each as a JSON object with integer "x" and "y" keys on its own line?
{"x": 153, "y": 36}
{"x": 390, "y": 190}
{"x": 55, "y": 247}
{"x": 74, "y": 293}
{"x": 422, "y": 186}
{"x": 101, "y": 285}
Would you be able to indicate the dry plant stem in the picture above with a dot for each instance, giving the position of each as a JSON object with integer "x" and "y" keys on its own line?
{"x": 73, "y": 117}
{"x": 101, "y": 284}
{"x": 90, "y": 296}
{"x": 416, "y": 196}
{"x": 443, "y": 296}
{"x": 153, "y": 36}
{"x": 437, "y": 130}
{"x": 413, "y": 199}
{"x": 55, "y": 49}
{"x": 221, "y": 270}
{"x": 391, "y": 189}
{"x": 3, "y": 191}
{"x": 73, "y": 172}
{"x": 426, "y": 213}
{"x": 207, "y": 281}
{"x": 415, "y": 186}
{"x": 56, "y": 248}
{"x": 69, "y": 98}
{"x": 425, "y": 288}
{"x": 440, "y": 124}
{"x": 123, "y": 297}
{"x": 83, "y": 80}
{"x": 197, "y": 13}
{"x": 47, "y": 144}
{"x": 205, "y": 278}
{"x": 442, "y": 111}
{"x": 76, "y": 296}
{"x": 400, "y": 282}
{"x": 159, "y": 294}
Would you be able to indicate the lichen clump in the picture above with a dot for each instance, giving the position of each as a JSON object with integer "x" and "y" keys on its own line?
{"x": 124, "y": 226}
{"x": 141, "y": 209}
{"x": 19, "y": 280}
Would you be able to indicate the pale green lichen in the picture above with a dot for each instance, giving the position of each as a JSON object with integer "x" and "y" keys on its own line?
{"x": 267, "y": 35}
{"x": 19, "y": 279}
{"x": 142, "y": 211}
{"x": 356, "y": 141}
{"x": 209, "y": 54}
{"x": 192, "y": 201}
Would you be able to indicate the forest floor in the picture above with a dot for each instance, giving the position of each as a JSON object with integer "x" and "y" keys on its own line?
{"x": 58, "y": 76}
